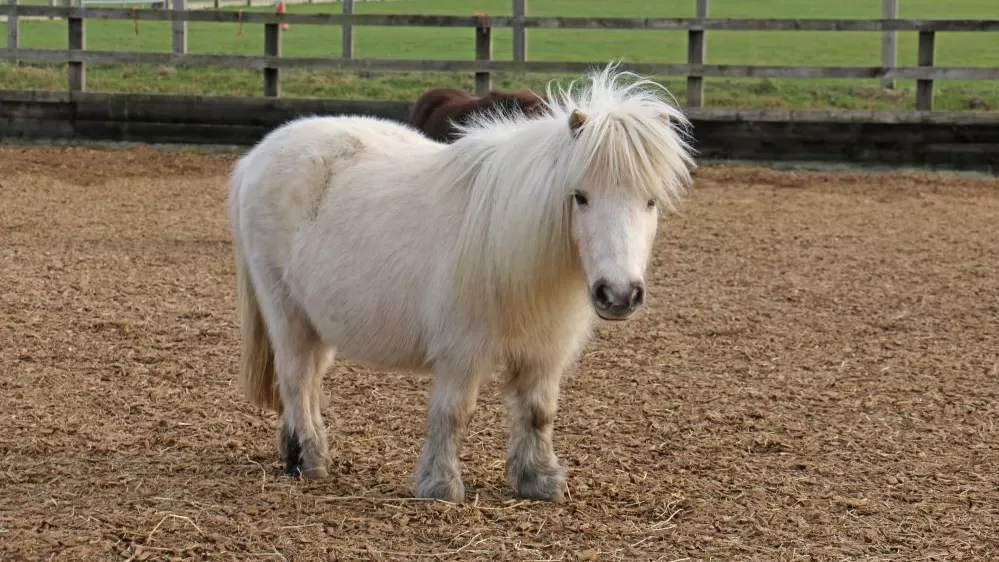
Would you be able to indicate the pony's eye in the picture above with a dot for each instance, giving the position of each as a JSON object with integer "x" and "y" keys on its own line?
{"x": 580, "y": 199}
{"x": 652, "y": 203}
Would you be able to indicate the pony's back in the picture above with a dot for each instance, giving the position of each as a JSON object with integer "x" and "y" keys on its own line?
{"x": 441, "y": 112}
{"x": 522, "y": 100}
{"x": 433, "y": 99}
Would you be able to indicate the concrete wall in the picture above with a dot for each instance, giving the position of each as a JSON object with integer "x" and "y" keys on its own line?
{"x": 963, "y": 141}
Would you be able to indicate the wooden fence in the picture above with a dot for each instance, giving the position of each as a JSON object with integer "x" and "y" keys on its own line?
{"x": 965, "y": 140}
{"x": 696, "y": 69}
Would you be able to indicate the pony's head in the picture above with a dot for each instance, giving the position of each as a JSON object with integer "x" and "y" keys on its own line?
{"x": 624, "y": 161}
{"x": 573, "y": 192}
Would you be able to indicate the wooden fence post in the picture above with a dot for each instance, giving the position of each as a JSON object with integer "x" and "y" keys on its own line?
{"x": 272, "y": 47}
{"x": 697, "y": 50}
{"x": 889, "y": 11}
{"x": 483, "y": 51}
{"x": 13, "y": 27}
{"x": 77, "y": 42}
{"x": 519, "y": 32}
{"x": 179, "y": 29}
{"x": 347, "y": 30}
{"x": 924, "y": 88}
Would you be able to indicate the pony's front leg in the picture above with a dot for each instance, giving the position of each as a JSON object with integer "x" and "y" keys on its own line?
{"x": 532, "y": 466}
{"x": 453, "y": 396}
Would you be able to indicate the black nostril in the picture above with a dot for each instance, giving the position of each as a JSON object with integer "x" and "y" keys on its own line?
{"x": 602, "y": 295}
{"x": 637, "y": 296}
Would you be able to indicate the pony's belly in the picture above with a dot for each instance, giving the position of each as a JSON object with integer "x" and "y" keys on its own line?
{"x": 377, "y": 323}
{"x": 374, "y": 343}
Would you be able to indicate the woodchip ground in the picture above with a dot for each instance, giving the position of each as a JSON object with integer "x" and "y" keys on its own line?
{"x": 816, "y": 378}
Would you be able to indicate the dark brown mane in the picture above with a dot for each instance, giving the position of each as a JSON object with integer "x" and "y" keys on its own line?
{"x": 436, "y": 111}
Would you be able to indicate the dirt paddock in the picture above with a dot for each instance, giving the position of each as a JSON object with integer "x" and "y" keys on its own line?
{"x": 816, "y": 378}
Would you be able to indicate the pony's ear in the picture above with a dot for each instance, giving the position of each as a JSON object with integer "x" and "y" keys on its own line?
{"x": 576, "y": 120}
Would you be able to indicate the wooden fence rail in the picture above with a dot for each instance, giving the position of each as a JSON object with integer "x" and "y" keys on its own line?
{"x": 532, "y": 22}
{"x": 270, "y": 63}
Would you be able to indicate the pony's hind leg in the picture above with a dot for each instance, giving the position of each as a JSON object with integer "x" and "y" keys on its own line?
{"x": 303, "y": 434}
{"x": 300, "y": 360}
{"x": 453, "y": 396}
{"x": 532, "y": 400}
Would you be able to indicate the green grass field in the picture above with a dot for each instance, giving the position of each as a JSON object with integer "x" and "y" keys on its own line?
{"x": 770, "y": 48}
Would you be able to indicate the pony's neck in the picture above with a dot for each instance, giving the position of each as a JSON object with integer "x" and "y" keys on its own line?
{"x": 515, "y": 238}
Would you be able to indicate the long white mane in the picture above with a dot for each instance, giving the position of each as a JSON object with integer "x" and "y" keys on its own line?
{"x": 518, "y": 174}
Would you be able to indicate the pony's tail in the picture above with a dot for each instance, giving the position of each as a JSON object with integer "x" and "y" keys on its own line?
{"x": 256, "y": 365}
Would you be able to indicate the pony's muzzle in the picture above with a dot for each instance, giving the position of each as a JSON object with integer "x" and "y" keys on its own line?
{"x": 617, "y": 302}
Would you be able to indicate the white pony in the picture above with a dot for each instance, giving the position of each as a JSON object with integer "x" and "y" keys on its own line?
{"x": 359, "y": 236}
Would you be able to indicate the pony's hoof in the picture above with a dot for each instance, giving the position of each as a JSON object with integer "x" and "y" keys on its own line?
{"x": 447, "y": 490}
{"x": 543, "y": 485}
{"x": 316, "y": 473}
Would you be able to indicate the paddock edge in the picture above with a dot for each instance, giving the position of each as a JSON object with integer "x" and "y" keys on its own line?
{"x": 965, "y": 141}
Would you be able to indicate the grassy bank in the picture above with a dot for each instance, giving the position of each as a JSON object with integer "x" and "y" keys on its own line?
{"x": 770, "y": 48}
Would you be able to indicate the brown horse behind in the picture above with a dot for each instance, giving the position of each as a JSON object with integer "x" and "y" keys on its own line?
{"x": 437, "y": 110}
